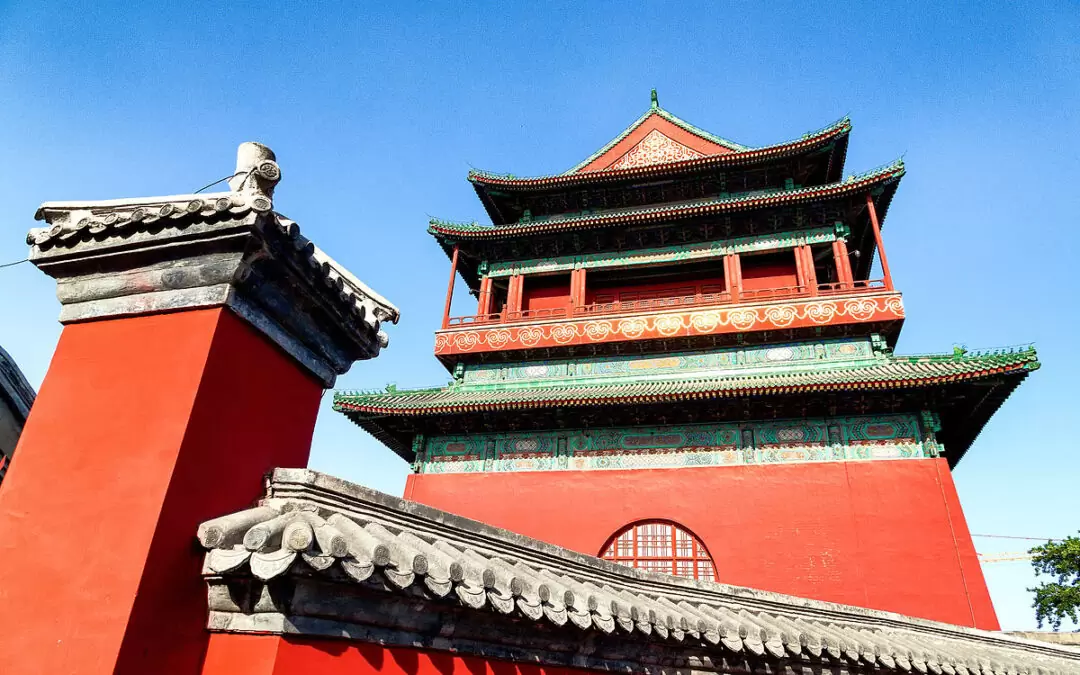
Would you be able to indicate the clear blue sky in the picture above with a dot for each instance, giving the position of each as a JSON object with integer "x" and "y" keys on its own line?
{"x": 377, "y": 111}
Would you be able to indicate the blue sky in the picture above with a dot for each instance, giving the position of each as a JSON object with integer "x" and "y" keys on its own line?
{"x": 377, "y": 111}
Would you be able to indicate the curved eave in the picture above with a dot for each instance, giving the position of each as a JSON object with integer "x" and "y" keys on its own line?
{"x": 483, "y": 180}
{"x": 363, "y": 411}
{"x": 872, "y": 180}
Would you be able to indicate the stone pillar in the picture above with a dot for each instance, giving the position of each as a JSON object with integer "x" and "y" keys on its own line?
{"x": 199, "y": 334}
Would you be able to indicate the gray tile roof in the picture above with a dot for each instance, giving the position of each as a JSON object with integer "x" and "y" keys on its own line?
{"x": 320, "y": 556}
{"x": 72, "y": 222}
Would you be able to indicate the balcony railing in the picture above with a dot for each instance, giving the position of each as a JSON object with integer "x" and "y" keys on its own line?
{"x": 674, "y": 302}
{"x": 838, "y": 288}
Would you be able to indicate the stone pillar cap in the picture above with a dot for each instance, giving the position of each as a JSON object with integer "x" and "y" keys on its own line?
{"x": 124, "y": 257}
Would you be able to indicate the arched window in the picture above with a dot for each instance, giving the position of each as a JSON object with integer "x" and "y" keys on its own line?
{"x": 660, "y": 546}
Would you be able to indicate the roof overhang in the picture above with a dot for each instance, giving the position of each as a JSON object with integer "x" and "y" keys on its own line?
{"x": 554, "y": 236}
{"x": 964, "y": 390}
{"x": 358, "y": 565}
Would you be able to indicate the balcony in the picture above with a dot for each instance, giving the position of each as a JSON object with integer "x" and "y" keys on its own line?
{"x": 746, "y": 296}
{"x": 681, "y": 316}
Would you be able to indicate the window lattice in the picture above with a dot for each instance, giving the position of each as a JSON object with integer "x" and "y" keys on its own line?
{"x": 661, "y": 547}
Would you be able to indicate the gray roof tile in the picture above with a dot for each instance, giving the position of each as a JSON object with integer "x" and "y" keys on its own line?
{"x": 312, "y": 526}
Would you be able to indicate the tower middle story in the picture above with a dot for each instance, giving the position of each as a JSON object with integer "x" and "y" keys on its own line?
{"x": 682, "y": 360}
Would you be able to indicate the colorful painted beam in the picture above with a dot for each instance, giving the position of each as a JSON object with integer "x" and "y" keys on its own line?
{"x": 859, "y": 438}
{"x": 807, "y": 313}
{"x": 668, "y": 254}
{"x": 855, "y": 185}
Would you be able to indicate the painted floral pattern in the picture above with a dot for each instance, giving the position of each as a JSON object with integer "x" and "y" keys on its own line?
{"x": 655, "y": 148}
{"x": 767, "y": 317}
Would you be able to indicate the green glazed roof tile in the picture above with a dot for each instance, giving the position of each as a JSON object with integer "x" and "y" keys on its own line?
{"x": 885, "y": 175}
{"x": 889, "y": 373}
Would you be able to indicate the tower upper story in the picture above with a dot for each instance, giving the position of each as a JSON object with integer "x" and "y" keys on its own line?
{"x": 670, "y": 237}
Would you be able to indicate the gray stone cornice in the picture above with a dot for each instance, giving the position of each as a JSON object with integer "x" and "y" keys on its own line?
{"x": 14, "y": 387}
{"x": 128, "y": 257}
{"x": 319, "y": 556}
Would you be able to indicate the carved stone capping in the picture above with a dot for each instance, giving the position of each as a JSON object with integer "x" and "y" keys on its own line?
{"x": 322, "y": 557}
{"x": 128, "y": 257}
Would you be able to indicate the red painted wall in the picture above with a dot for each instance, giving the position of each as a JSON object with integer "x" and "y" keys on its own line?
{"x": 542, "y": 293}
{"x": 631, "y": 291}
{"x": 144, "y": 427}
{"x": 233, "y": 654}
{"x": 882, "y": 534}
{"x": 756, "y": 277}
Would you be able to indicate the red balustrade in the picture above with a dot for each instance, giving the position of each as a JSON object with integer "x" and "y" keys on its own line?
{"x": 674, "y": 302}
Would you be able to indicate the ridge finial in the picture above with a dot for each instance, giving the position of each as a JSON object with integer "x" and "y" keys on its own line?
{"x": 256, "y": 169}
{"x": 654, "y": 101}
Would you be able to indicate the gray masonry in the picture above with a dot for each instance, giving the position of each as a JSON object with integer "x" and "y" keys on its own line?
{"x": 322, "y": 557}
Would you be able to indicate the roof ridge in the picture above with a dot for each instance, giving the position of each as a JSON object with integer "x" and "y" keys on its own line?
{"x": 655, "y": 109}
{"x": 896, "y": 166}
{"x": 737, "y": 148}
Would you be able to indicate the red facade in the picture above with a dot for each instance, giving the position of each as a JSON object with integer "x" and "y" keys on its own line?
{"x": 886, "y": 535}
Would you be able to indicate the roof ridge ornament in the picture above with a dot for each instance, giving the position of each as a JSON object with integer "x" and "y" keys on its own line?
{"x": 219, "y": 249}
{"x": 257, "y": 170}
{"x": 654, "y": 100}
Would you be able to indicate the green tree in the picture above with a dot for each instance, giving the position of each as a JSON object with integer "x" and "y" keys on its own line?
{"x": 1055, "y": 600}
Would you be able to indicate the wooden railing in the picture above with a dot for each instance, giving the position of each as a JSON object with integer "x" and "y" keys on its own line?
{"x": 842, "y": 288}
{"x": 654, "y": 303}
{"x": 510, "y": 317}
{"x": 675, "y": 302}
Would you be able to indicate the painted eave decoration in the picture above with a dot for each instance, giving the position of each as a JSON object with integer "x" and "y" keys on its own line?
{"x": 381, "y": 413}
{"x": 736, "y": 156}
{"x": 322, "y": 557}
{"x": 876, "y": 179}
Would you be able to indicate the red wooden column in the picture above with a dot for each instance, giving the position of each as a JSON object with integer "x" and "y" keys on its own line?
{"x": 577, "y": 289}
{"x": 843, "y": 264}
{"x": 809, "y": 273}
{"x": 514, "y": 294}
{"x": 195, "y": 351}
{"x": 877, "y": 240}
{"x": 450, "y": 287}
{"x": 733, "y": 275}
{"x": 800, "y": 268}
{"x": 484, "y": 307}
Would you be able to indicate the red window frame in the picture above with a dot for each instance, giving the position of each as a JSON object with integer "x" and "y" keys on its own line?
{"x": 660, "y": 546}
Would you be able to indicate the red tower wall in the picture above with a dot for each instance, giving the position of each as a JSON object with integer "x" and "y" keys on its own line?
{"x": 882, "y": 534}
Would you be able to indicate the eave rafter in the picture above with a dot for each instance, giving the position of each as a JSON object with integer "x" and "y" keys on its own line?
{"x": 736, "y": 159}
{"x": 869, "y": 181}
{"x": 974, "y": 385}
